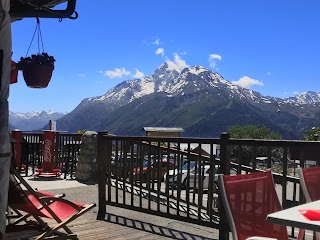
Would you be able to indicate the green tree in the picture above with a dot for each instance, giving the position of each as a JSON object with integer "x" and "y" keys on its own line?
{"x": 245, "y": 152}
{"x": 312, "y": 135}
{"x": 252, "y": 132}
{"x": 81, "y": 131}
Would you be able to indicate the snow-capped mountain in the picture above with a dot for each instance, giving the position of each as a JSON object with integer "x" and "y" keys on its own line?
{"x": 190, "y": 98}
{"x": 304, "y": 98}
{"x": 130, "y": 90}
{"x": 32, "y": 120}
{"x": 174, "y": 82}
{"x": 169, "y": 81}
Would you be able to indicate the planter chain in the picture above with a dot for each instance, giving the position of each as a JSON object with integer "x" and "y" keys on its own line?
{"x": 37, "y": 29}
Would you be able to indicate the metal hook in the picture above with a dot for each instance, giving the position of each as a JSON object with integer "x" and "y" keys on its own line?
{"x": 74, "y": 17}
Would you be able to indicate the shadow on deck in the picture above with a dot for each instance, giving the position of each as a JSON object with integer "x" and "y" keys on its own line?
{"x": 113, "y": 227}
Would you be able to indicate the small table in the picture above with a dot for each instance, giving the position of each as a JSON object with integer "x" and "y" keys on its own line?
{"x": 292, "y": 217}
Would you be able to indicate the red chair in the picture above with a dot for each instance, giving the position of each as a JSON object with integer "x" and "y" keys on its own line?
{"x": 39, "y": 205}
{"x": 309, "y": 182}
{"x": 248, "y": 199}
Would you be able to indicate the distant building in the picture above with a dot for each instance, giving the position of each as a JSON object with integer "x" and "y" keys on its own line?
{"x": 203, "y": 149}
{"x": 163, "y": 131}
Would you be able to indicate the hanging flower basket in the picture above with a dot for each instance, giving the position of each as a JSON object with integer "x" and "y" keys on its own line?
{"x": 37, "y": 70}
{"x": 37, "y": 75}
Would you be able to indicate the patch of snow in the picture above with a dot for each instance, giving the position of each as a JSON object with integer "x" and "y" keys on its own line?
{"x": 146, "y": 88}
{"x": 197, "y": 70}
{"x": 176, "y": 87}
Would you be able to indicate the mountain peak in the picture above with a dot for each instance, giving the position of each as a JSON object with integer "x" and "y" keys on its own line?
{"x": 163, "y": 75}
{"x": 164, "y": 68}
{"x": 307, "y": 97}
{"x": 167, "y": 67}
{"x": 197, "y": 69}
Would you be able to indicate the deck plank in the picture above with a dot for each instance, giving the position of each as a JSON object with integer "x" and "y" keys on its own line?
{"x": 90, "y": 228}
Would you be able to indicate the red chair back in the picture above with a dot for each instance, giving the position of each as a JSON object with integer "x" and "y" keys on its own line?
{"x": 248, "y": 200}
{"x": 310, "y": 179}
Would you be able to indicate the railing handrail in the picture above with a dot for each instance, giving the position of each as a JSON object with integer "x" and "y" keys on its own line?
{"x": 163, "y": 139}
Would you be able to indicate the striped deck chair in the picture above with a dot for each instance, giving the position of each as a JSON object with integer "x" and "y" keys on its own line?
{"x": 41, "y": 205}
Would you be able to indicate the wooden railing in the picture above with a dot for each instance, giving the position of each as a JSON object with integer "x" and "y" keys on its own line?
{"x": 128, "y": 179}
{"x": 184, "y": 188}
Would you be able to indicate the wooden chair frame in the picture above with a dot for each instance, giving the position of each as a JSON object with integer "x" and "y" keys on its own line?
{"x": 43, "y": 202}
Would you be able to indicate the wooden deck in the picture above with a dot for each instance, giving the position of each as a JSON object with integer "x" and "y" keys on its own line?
{"x": 113, "y": 227}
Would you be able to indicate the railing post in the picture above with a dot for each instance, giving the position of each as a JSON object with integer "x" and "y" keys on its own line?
{"x": 225, "y": 169}
{"x": 224, "y": 152}
{"x": 284, "y": 177}
{"x": 102, "y": 152}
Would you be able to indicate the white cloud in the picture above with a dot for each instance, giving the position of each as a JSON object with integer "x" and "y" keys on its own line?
{"x": 268, "y": 73}
{"x": 156, "y": 42}
{"x": 214, "y": 56}
{"x": 82, "y": 75}
{"x": 178, "y": 63}
{"x": 296, "y": 93}
{"x": 247, "y": 82}
{"x": 213, "y": 59}
{"x": 160, "y": 51}
{"x": 138, "y": 74}
{"x": 116, "y": 73}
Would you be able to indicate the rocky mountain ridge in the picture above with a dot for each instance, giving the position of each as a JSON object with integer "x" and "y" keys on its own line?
{"x": 173, "y": 82}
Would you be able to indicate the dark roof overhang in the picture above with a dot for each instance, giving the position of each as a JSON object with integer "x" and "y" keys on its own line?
{"x": 43, "y": 9}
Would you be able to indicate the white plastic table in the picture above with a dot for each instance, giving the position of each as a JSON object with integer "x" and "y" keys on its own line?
{"x": 292, "y": 217}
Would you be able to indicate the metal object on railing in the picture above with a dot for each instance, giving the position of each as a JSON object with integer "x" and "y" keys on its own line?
{"x": 66, "y": 150}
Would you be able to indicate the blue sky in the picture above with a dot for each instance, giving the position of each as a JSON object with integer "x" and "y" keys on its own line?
{"x": 272, "y": 47}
